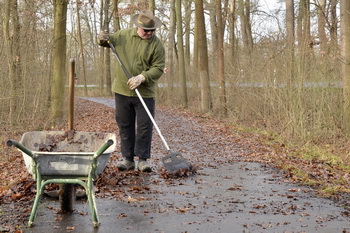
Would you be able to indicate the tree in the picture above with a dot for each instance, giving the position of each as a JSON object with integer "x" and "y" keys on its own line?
{"x": 221, "y": 66}
{"x": 321, "y": 24}
{"x": 244, "y": 14}
{"x": 232, "y": 21}
{"x": 107, "y": 53}
{"x": 180, "y": 45}
{"x": 187, "y": 20}
{"x": 12, "y": 43}
{"x": 206, "y": 104}
{"x": 59, "y": 60}
{"x": 171, "y": 44}
{"x": 345, "y": 54}
{"x": 290, "y": 39}
{"x": 214, "y": 31}
{"x": 304, "y": 39}
{"x": 116, "y": 26}
{"x": 81, "y": 46}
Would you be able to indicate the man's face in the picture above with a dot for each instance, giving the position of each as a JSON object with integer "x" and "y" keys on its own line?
{"x": 145, "y": 34}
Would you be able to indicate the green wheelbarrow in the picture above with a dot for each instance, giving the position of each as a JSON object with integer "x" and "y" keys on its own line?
{"x": 55, "y": 157}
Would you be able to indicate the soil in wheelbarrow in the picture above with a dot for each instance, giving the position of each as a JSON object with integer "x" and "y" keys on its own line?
{"x": 236, "y": 188}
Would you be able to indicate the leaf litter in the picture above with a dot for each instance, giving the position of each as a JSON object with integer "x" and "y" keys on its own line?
{"x": 206, "y": 138}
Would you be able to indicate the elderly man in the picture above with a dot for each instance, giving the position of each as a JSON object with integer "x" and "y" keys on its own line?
{"x": 144, "y": 57}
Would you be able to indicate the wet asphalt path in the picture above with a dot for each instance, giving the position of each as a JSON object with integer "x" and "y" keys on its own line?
{"x": 226, "y": 195}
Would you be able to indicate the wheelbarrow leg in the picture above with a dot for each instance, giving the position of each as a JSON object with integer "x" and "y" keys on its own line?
{"x": 39, "y": 191}
{"x": 92, "y": 203}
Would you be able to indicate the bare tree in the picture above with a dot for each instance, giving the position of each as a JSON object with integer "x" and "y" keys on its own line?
{"x": 244, "y": 14}
{"x": 321, "y": 24}
{"x": 206, "y": 102}
{"x": 107, "y": 58}
{"x": 214, "y": 31}
{"x": 180, "y": 45}
{"x": 187, "y": 20}
{"x": 12, "y": 45}
{"x": 334, "y": 23}
{"x": 59, "y": 60}
{"x": 345, "y": 53}
{"x": 232, "y": 21}
{"x": 220, "y": 64}
{"x": 290, "y": 39}
{"x": 81, "y": 46}
{"x": 116, "y": 24}
{"x": 171, "y": 45}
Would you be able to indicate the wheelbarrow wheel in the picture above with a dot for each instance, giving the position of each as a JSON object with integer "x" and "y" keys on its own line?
{"x": 67, "y": 197}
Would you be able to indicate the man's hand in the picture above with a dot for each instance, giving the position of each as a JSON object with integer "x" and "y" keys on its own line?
{"x": 103, "y": 36}
{"x": 136, "y": 81}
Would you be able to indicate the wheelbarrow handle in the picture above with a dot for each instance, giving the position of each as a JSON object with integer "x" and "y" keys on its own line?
{"x": 20, "y": 146}
{"x": 103, "y": 148}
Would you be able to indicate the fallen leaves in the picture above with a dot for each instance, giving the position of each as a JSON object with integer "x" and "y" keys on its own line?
{"x": 205, "y": 142}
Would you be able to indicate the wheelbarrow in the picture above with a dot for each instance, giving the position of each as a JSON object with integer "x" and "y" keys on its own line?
{"x": 54, "y": 157}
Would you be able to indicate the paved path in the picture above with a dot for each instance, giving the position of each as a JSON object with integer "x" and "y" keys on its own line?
{"x": 226, "y": 195}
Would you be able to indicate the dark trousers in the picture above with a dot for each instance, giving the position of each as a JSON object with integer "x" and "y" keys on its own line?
{"x": 135, "y": 126}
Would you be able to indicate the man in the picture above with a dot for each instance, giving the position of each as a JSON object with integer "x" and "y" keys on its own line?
{"x": 144, "y": 57}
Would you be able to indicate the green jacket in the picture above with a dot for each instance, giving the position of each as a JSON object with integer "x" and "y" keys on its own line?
{"x": 146, "y": 57}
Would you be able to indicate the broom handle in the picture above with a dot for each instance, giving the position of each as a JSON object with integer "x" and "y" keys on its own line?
{"x": 139, "y": 95}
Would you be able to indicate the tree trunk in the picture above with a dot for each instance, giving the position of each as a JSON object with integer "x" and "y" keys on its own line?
{"x": 107, "y": 53}
{"x": 187, "y": 20}
{"x": 214, "y": 33}
{"x": 304, "y": 38}
{"x": 171, "y": 46}
{"x": 220, "y": 64}
{"x": 12, "y": 45}
{"x": 244, "y": 14}
{"x": 206, "y": 104}
{"x": 116, "y": 17}
{"x": 102, "y": 52}
{"x": 59, "y": 61}
{"x": 81, "y": 47}
{"x": 321, "y": 25}
{"x": 334, "y": 24}
{"x": 152, "y": 5}
{"x": 182, "y": 71}
{"x": 232, "y": 21}
{"x": 345, "y": 54}
{"x": 290, "y": 40}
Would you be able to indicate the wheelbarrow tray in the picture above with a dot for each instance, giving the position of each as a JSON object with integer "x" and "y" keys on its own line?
{"x": 72, "y": 156}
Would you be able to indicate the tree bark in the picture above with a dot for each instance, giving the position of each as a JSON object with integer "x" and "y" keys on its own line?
{"x": 116, "y": 24}
{"x": 81, "y": 47}
{"x": 220, "y": 64}
{"x": 12, "y": 45}
{"x": 290, "y": 40}
{"x": 59, "y": 61}
{"x": 321, "y": 25}
{"x": 206, "y": 102}
{"x": 232, "y": 21}
{"x": 244, "y": 14}
{"x": 187, "y": 20}
{"x": 182, "y": 70}
{"x": 171, "y": 45}
{"x": 214, "y": 32}
{"x": 345, "y": 55}
{"x": 107, "y": 53}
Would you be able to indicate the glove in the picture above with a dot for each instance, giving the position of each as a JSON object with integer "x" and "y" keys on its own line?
{"x": 103, "y": 36}
{"x": 136, "y": 81}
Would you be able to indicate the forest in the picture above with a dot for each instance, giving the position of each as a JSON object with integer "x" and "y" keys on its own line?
{"x": 281, "y": 71}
